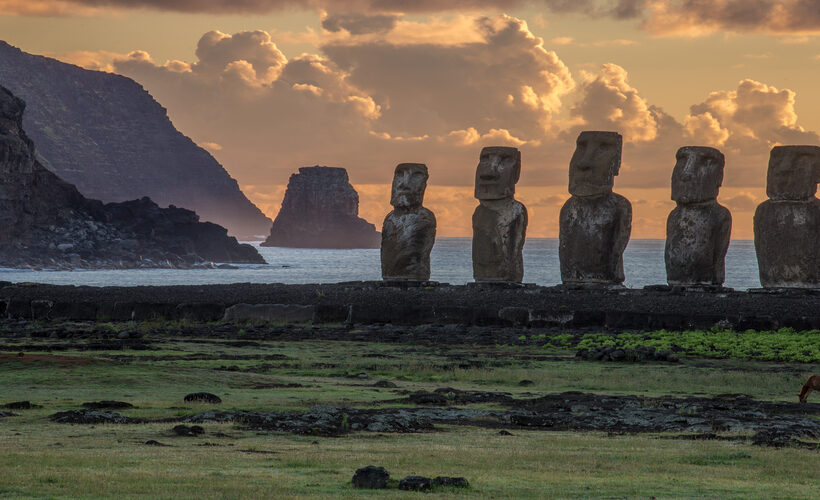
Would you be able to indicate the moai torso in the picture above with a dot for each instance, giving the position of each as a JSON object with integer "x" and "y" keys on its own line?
{"x": 595, "y": 223}
{"x": 699, "y": 228}
{"x": 594, "y": 234}
{"x": 498, "y": 241}
{"x": 787, "y": 226}
{"x": 499, "y": 221}
{"x": 409, "y": 231}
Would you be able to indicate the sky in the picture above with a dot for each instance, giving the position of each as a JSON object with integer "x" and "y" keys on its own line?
{"x": 268, "y": 86}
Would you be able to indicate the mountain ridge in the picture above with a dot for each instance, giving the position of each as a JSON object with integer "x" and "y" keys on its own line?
{"x": 107, "y": 135}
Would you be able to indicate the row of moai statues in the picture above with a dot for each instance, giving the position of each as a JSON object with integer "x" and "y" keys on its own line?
{"x": 595, "y": 223}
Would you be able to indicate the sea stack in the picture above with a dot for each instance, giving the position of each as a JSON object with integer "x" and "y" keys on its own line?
{"x": 321, "y": 210}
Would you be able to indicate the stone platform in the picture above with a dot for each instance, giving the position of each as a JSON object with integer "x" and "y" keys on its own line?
{"x": 373, "y": 302}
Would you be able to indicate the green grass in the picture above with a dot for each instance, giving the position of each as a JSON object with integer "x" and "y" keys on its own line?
{"x": 785, "y": 344}
{"x": 41, "y": 459}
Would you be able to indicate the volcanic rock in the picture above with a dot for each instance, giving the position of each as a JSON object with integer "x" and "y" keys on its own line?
{"x": 415, "y": 483}
{"x": 371, "y": 477}
{"x": 106, "y": 135}
{"x": 321, "y": 210}
{"x": 203, "y": 397}
{"x": 47, "y": 223}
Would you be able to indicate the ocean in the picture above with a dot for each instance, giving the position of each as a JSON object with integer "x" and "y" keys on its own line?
{"x": 450, "y": 263}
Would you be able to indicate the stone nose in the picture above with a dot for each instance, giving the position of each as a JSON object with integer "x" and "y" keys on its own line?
{"x": 491, "y": 172}
{"x": 689, "y": 167}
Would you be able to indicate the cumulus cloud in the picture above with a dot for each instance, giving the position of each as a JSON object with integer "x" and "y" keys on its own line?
{"x": 754, "y": 117}
{"x": 609, "y": 103}
{"x": 508, "y": 81}
{"x": 369, "y": 101}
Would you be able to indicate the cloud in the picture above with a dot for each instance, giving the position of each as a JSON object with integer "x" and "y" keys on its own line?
{"x": 742, "y": 202}
{"x": 507, "y": 80}
{"x": 700, "y": 17}
{"x": 754, "y": 117}
{"x": 658, "y": 17}
{"x": 608, "y": 102}
{"x": 616, "y": 8}
{"x": 359, "y": 24}
{"x": 369, "y": 101}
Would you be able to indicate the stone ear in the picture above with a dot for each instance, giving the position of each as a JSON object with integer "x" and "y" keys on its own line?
{"x": 615, "y": 166}
{"x": 517, "y": 174}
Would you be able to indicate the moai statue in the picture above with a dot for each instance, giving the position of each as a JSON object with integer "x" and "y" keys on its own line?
{"x": 787, "y": 225}
{"x": 595, "y": 223}
{"x": 698, "y": 229}
{"x": 409, "y": 231}
{"x": 499, "y": 221}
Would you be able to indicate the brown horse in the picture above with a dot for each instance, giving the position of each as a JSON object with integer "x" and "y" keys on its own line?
{"x": 812, "y": 384}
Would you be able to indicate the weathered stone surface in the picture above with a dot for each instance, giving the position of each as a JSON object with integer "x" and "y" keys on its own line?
{"x": 321, "y": 210}
{"x": 202, "y": 397}
{"x": 371, "y": 477}
{"x": 47, "y": 223}
{"x": 451, "y": 482}
{"x": 595, "y": 223}
{"x": 499, "y": 221}
{"x": 116, "y": 143}
{"x": 89, "y": 417}
{"x": 787, "y": 225}
{"x": 698, "y": 229}
{"x": 415, "y": 483}
{"x": 409, "y": 231}
{"x": 288, "y": 313}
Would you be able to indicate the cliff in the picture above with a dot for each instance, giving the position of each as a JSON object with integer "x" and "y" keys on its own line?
{"x": 321, "y": 210}
{"x": 46, "y": 222}
{"x": 105, "y": 134}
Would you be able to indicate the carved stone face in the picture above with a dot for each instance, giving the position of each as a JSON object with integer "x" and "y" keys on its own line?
{"x": 595, "y": 163}
{"x": 497, "y": 172}
{"x": 698, "y": 174}
{"x": 409, "y": 183}
{"x": 794, "y": 172}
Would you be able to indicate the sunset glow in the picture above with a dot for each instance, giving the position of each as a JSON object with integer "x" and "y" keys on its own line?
{"x": 268, "y": 86}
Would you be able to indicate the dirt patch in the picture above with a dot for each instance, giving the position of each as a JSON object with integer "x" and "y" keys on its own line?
{"x": 45, "y": 358}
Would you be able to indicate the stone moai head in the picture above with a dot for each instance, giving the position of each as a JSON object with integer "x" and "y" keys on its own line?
{"x": 794, "y": 172}
{"x": 409, "y": 183}
{"x": 497, "y": 172}
{"x": 595, "y": 163}
{"x": 698, "y": 174}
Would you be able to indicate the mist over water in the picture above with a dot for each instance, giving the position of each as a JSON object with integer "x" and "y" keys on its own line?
{"x": 450, "y": 262}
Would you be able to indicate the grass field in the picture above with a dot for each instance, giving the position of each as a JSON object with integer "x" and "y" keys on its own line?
{"x": 42, "y": 459}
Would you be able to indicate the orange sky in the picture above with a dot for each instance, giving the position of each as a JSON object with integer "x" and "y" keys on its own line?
{"x": 269, "y": 86}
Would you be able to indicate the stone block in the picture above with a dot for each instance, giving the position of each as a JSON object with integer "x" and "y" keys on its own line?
{"x": 274, "y": 313}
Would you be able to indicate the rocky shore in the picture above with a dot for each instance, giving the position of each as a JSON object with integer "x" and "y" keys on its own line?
{"x": 47, "y": 223}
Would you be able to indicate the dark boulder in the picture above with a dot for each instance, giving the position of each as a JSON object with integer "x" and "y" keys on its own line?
{"x": 108, "y": 405}
{"x": 415, "y": 483}
{"x": 88, "y": 417}
{"x": 184, "y": 430}
{"x": 371, "y": 477}
{"x": 21, "y": 405}
{"x": 452, "y": 482}
{"x": 203, "y": 397}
